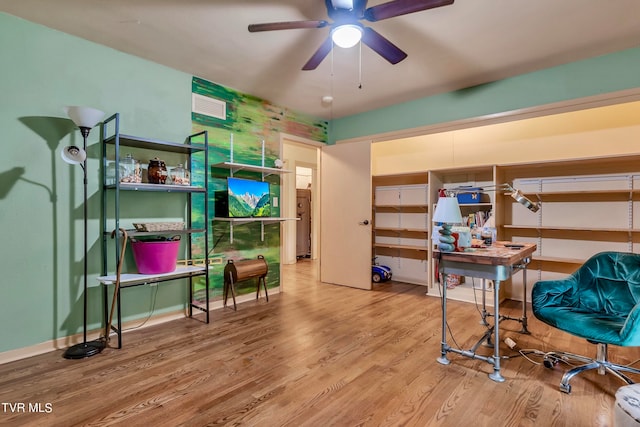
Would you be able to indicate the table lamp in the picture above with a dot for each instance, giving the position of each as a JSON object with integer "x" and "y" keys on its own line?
{"x": 447, "y": 213}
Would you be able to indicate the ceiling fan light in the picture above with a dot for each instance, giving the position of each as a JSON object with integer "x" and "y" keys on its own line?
{"x": 347, "y": 35}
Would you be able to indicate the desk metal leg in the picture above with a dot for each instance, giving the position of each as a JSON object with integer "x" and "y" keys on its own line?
{"x": 496, "y": 376}
{"x": 443, "y": 344}
{"x": 523, "y": 318}
{"x": 524, "y": 329}
{"x": 484, "y": 313}
{"x": 444, "y": 347}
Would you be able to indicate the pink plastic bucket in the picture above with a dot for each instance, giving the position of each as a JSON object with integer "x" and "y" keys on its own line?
{"x": 155, "y": 257}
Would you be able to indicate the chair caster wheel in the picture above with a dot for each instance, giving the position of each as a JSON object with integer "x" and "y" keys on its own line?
{"x": 565, "y": 388}
{"x": 549, "y": 362}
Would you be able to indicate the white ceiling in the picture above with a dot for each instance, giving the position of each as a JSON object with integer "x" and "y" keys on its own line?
{"x": 453, "y": 47}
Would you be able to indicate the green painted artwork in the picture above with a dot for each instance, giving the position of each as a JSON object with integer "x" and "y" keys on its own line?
{"x": 250, "y": 135}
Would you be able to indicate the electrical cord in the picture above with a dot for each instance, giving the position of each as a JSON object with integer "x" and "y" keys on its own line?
{"x": 108, "y": 330}
{"x": 475, "y": 298}
{"x": 633, "y": 363}
{"x": 549, "y": 359}
{"x": 151, "y": 310}
{"x": 552, "y": 357}
{"x": 486, "y": 325}
{"x": 521, "y": 353}
{"x": 446, "y": 322}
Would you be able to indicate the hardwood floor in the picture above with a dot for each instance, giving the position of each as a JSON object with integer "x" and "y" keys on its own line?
{"x": 315, "y": 355}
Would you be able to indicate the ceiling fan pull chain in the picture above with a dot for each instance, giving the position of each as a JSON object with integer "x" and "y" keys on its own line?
{"x": 331, "y": 83}
{"x": 332, "y": 46}
{"x": 360, "y": 65}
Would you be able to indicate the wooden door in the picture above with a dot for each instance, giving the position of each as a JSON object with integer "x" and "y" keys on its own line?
{"x": 345, "y": 231}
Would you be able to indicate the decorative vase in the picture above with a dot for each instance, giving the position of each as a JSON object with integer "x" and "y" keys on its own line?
{"x": 179, "y": 176}
{"x": 157, "y": 171}
{"x": 130, "y": 170}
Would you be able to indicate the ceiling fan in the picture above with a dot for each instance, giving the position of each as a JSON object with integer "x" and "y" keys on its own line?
{"x": 346, "y": 16}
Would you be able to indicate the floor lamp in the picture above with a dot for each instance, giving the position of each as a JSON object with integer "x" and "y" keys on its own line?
{"x": 85, "y": 118}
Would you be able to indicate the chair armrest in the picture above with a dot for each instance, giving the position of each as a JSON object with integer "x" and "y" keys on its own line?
{"x": 553, "y": 293}
{"x": 630, "y": 332}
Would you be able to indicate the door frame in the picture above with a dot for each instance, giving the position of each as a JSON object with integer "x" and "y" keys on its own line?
{"x": 288, "y": 199}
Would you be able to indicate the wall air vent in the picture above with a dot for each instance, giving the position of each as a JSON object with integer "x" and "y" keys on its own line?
{"x": 208, "y": 106}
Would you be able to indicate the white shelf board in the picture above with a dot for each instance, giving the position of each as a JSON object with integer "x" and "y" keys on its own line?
{"x": 254, "y": 168}
{"x": 134, "y": 278}
{"x": 254, "y": 219}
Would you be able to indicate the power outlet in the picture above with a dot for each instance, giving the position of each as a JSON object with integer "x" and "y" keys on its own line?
{"x": 275, "y": 202}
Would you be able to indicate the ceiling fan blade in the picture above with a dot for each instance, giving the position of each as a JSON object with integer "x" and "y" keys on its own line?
{"x": 401, "y": 7}
{"x": 320, "y": 54}
{"x": 382, "y": 46}
{"x": 289, "y": 25}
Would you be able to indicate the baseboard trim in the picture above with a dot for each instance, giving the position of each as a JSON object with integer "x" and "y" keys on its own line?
{"x": 68, "y": 341}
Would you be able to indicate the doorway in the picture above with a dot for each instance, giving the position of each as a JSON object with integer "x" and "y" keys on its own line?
{"x": 302, "y": 158}
{"x": 304, "y": 179}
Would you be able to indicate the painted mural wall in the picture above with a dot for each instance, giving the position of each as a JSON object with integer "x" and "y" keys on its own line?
{"x": 249, "y": 134}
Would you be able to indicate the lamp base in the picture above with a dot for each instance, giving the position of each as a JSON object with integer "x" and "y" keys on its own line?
{"x": 447, "y": 240}
{"x": 84, "y": 349}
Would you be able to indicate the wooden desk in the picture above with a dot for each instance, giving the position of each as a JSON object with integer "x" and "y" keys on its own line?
{"x": 497, "y": 262}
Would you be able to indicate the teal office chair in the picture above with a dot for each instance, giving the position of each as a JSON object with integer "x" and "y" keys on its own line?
{"x": 599, "y": 302}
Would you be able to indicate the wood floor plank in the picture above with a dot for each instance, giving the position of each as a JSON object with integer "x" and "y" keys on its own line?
{"x": 314, "y": 355}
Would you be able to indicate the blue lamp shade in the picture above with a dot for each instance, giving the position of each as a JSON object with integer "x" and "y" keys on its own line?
{"x": 447, "y": 211}
{"x": 84, "y": 117}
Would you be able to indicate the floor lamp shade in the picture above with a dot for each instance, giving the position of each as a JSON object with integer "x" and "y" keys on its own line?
{"x": 84, "y": 117}
{"x": 73, "y": 155}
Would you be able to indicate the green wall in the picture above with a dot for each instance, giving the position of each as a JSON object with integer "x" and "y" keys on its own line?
{"x": 41, "y": 196}
{"x": 249, "y": 121}
{"x": 600, "y": 75}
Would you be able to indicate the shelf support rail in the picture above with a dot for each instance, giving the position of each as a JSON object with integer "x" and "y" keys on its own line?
{"x": 231, "y": 151}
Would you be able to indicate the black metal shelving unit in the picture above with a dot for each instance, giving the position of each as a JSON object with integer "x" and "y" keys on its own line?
{"x": 112, "y": 142}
